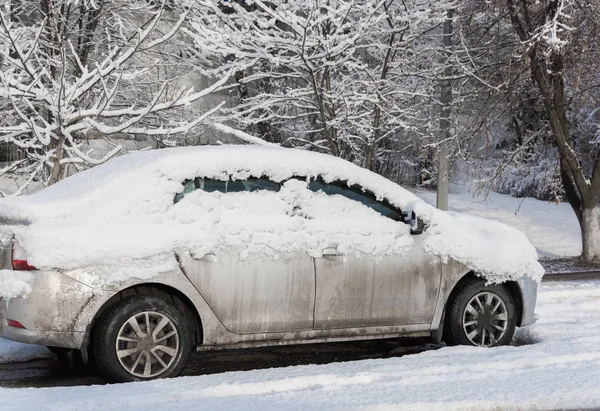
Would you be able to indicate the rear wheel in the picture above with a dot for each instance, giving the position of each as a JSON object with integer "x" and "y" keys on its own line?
{"x": 141, "y": 337}
{"x": 481, "y": 315}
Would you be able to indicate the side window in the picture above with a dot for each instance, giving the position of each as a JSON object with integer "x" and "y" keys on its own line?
{"x": 226, "y": 186}
{"x": 355, "y": 193}
{"x": 257, "y": 184}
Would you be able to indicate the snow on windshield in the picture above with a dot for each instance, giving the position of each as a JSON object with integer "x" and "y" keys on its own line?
{"x": 123, "y": 212}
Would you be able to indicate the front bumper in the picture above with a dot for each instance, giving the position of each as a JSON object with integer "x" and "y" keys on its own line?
{"x": 529, "y": 290}
{"x": 55, "y": 312}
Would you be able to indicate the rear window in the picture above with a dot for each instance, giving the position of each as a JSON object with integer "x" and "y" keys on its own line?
{"x": 226, "y": 186}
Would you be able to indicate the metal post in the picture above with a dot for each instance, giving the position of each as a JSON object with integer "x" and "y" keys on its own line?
{"x": 445, "y": 125}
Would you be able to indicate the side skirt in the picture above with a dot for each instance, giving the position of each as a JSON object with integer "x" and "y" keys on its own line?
{"x": 274, "y": 343}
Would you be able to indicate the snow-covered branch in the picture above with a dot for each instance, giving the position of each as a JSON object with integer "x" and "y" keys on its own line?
{"x": 92, "y": 68}
{"x": 339, "y": 72}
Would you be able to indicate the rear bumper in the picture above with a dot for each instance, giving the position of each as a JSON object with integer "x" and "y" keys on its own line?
{"x": 529, "y": 290}
{"x": 73, "y": 339}
{"x": 55, "y": 311}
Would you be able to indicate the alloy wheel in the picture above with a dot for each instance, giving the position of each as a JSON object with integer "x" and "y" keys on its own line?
{"x": 485, "y": 319}
{"x": 147, "y": 344}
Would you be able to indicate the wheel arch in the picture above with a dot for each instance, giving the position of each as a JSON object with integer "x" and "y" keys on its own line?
{"x": 164, "y": 291}
{"x": 515, "y": 291}
{"x": 512, "y": 287}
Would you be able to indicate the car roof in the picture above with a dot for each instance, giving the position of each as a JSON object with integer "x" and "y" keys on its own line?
{"x": 221, "y": 162}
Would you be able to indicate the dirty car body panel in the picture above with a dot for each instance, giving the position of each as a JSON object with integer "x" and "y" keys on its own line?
{"x": 268, "y": 295}
{"x": 60, "y": 311}
{"x": 365, "y": 292}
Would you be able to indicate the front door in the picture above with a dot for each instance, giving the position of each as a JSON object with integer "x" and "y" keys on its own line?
{"x": 363, "y": 292}
{"x": 361, "y": 289}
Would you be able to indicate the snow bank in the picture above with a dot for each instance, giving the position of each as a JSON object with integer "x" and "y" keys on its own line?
{"x": 123, "y": 212}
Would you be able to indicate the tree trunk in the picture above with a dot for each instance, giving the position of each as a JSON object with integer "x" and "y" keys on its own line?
{"x": 571, "y": 191}
{"x": 590, "y": 234}
{"x": 369, "y": 158}
{"x": 56, "y": 172}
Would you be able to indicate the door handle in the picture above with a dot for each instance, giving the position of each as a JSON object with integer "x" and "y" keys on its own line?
{"x": 207, "y": 258}
{"x": 330, "y": 252}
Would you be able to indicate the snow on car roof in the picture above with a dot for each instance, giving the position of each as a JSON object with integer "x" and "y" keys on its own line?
{"x": 102, "y": 213}
{"x": 181, "y": 163}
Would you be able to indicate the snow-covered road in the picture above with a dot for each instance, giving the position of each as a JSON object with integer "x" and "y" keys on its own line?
{"x": 556, "y": 367}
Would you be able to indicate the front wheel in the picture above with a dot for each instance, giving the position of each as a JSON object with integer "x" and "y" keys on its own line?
{"x": 481, "y": 315}
{"x": 141, "y": 337}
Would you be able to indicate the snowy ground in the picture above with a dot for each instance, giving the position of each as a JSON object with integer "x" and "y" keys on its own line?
{"x": 558, "y": 367}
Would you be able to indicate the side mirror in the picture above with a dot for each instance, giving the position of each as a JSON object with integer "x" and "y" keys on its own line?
{"x": 417, "y": 225}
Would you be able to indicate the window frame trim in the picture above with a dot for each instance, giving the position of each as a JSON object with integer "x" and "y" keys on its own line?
{"x": 343, "y": 184}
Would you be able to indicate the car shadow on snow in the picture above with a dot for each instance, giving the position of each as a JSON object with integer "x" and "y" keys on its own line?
{"x": 55, "y": 373}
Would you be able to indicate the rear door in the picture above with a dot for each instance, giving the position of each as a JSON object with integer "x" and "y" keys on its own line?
{"x": 358, "y": 290}
{"x": 250, "y": 292}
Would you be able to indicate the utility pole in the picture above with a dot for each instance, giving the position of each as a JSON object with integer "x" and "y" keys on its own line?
{"x": 445, "y": 125}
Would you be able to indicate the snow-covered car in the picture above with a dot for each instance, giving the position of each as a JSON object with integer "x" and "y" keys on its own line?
{"x": 137, "y": 261}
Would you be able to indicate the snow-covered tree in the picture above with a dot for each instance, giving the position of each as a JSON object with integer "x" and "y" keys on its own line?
{"x": 71, "y": 67}
{"x": 354, "y": 78}
{"x": 541, "y": 59}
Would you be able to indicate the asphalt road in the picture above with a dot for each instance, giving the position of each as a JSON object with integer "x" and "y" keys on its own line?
{"x": 576, "y": 276}
{"x": 54, "y": 373}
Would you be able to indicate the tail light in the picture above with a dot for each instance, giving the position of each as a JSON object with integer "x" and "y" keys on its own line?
{"x": 15, "y": 324}
{"x": 19, "y": 258}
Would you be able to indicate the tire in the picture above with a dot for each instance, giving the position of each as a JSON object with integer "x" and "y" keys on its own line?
{"x": 123, "y": 348}
{"x": 480, "y": 315}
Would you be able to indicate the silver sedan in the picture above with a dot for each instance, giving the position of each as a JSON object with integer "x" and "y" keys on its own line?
{"x": 144, "y": 327}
